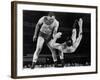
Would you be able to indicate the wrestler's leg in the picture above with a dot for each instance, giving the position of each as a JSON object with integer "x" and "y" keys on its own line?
{"x": 80, "y": 25}
{"x": 78, "y": 40}
{"x": 74, "y": 35}
{"x": 40, "y": 42}
{"x": 39, "y": 46}
{"x": 61, "y": 54}
{"x": 74, "y": 32}
{"x": 53, "y": 54}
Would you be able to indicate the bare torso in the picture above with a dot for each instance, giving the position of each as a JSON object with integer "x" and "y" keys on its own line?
{"x": 48, "y": 26}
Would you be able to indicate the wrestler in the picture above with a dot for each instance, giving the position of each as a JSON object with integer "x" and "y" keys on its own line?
{"x": 74, "y": 42}
{"x": 48, "y": 28}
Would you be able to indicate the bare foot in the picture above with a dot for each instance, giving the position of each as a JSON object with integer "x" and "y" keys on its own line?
{"x": 80, "y": 22}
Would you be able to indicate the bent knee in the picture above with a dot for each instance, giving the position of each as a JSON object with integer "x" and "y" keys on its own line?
{"x": 38, "y": 48}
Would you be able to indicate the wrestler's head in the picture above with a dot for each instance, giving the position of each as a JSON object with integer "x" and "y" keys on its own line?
{"x": 69, "y": 41}
{"x": 51, "y": 16}
{"x": 49, "y": 19}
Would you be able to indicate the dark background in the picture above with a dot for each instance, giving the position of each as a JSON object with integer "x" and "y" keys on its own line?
{"x": 82, "y": 56}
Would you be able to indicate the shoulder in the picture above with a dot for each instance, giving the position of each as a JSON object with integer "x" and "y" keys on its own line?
{"x": 56, "y": 22}
{"x": 42, "y": 18}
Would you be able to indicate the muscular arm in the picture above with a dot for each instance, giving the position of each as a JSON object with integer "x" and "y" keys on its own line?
{"x": 56, "y": 28}
{"x": 37, "y": 26}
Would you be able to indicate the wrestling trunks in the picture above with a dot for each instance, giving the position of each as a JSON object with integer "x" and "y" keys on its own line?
{"x": 46, "y": 37}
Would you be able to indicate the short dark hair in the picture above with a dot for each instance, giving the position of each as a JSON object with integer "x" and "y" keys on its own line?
{"x": 69, "y": 43}
{"x": 51, "y": 14}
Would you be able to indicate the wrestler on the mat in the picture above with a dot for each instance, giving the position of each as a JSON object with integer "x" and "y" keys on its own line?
{"x": 74, "y": 42}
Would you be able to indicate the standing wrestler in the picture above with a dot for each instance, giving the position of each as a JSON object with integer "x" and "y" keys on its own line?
{"x": 48, "y": 28}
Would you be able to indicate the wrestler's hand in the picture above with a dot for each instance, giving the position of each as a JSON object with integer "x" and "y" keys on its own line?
{"x": 34, "y": 38}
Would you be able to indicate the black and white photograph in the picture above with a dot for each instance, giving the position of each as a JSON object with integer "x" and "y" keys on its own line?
{"x": 54, "y": 39}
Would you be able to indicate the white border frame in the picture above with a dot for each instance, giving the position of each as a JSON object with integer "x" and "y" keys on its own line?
{"x": 49, "y": 71}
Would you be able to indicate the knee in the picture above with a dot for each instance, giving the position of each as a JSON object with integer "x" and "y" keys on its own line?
{"x": 38, "y": 49}
{"x": 52, "y": 49}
